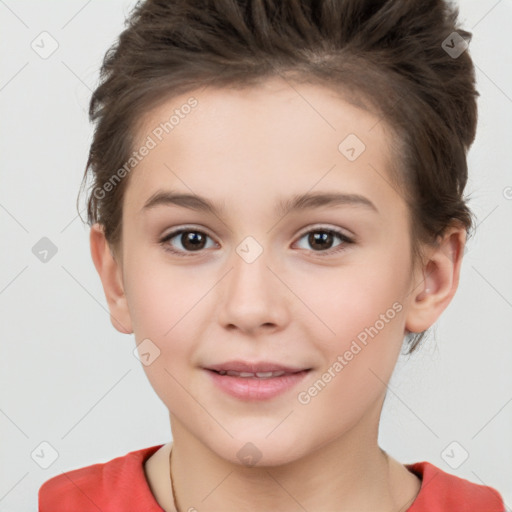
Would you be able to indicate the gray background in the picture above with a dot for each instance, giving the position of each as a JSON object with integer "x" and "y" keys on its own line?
{"x": 68, "y": 378}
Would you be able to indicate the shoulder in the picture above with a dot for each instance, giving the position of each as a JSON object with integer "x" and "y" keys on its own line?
{"x": 114, "y": 485}
{"x": 443, "y": 492}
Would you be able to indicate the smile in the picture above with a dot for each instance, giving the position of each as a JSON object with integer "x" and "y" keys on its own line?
{"x": 259, "y": 375}
{"x": 255, "y": 386}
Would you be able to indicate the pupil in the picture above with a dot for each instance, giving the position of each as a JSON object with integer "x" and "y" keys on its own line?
{"x": 319, "y": 237}
{"x": 193, "y": 238}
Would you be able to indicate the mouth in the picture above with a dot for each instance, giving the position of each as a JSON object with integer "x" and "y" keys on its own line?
{"x": 256, "y": 375}
{"x": 251, "y": 381}
{"x": 262, "y": 369}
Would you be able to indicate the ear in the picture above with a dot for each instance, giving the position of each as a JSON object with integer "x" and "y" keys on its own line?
{"x": 110, "y": 273}
{"x": 437, "y": 281}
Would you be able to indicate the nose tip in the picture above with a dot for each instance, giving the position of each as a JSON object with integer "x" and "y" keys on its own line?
{"x": 250, "y": 298}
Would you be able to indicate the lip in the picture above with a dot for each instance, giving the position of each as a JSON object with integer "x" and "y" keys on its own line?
{"x": 253, "y": 367}
{"x": 255, "y": 388}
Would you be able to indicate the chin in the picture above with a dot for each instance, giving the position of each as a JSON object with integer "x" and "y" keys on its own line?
{"x": 260, "y": 451}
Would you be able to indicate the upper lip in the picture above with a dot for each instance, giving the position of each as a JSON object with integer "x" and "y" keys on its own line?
{"x": 253, "y": 367}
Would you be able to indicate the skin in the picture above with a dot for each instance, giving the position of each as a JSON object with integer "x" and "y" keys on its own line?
{"x": 246, "y": 149}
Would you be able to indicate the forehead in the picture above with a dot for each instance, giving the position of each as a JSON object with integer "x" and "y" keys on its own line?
{"x": 263, "y": 109}
{"x": 277, "y": 136}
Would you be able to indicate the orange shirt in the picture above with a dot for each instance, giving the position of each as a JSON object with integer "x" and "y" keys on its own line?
{"x": 120, "y": 485}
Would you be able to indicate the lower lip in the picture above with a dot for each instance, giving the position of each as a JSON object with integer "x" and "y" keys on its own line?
{"x": 254, "y": 388}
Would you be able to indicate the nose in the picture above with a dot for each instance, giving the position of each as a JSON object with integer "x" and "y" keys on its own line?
{"x": 252, "y": 297}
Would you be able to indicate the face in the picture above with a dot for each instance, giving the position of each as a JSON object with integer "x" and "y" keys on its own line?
{"x": 323, "y": 288}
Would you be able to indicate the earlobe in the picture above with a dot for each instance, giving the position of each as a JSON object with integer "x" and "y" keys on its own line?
{"x": 110, "y": 274}
{"x": 437, "y": 281}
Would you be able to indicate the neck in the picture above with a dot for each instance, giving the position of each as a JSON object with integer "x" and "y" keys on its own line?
{"x": 348, "y": 473}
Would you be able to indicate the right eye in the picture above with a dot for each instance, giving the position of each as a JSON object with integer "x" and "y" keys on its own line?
{"x": 191, "y": 240}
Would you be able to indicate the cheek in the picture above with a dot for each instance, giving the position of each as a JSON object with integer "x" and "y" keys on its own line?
{"x": 160, "y": 298}
{"x": 358, "y": 359}
{"x": 358, "y": 296}
{"x": 362, "y": 306}
{"x": 164, "y": 306}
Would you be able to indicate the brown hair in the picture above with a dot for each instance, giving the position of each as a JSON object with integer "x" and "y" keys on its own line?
{"x": 386, "y": 56}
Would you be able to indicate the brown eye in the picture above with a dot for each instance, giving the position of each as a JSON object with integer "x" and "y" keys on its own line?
{"x": 190, "y": 240}
{"x": 321, "y": 240}
{"x": 187, "y": 241}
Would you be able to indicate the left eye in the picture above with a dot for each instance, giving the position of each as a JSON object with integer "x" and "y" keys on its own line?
{"x": 321, "y": 238}
{"x": 193, "y": 240}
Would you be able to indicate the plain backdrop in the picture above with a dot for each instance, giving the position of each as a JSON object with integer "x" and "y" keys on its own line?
{"x": 70, "y": 385}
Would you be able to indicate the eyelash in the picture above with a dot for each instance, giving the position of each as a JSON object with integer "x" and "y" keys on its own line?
{"x": 341, "y": 247}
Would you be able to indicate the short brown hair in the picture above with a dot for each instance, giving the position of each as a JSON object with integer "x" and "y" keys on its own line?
{"x": 386, "y": 56}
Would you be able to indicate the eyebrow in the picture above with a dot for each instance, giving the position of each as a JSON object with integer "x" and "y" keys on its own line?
{"x": 284, "y": 206}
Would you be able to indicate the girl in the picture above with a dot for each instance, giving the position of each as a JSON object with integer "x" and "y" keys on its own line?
{"x": 233, "y": 139}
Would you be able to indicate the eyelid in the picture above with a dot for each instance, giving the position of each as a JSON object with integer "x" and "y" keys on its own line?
{"x": 347, "y": 240}
{"x": 187, "y": 227}
{"x": 164, "y": 239}
{"x": 326, "y": 227}
{"x": 318, "y": 226}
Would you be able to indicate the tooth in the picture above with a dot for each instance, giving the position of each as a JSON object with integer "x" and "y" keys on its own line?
{"x": 261, "y": 375}
{"x": 239, "y": 374}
